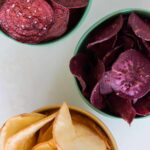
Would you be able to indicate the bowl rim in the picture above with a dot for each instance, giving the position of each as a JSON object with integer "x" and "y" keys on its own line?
{"x": 88, "y": 31}
{"x": 63, "y": 37}
{"x": 86, "y": 113}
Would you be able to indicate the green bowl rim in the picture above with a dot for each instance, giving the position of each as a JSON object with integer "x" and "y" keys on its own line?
{"x": 63, "y": 37}
{"x": 121, "y": 11}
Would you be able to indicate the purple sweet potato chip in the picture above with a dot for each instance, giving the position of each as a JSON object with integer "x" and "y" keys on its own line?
{"x": 147, "y": 47}
{"x": 107, "y": 32}
{"x": 96, "y": 97}
{"x": 73, "y": 3}
{"x": 111, "y": 56}
{"x": 87, "y": 71}
{"x": 103, "y": 48}
{"x": 140, "y": 27}
{"x": 61, "y": 19}
{"x": 105, "y": 84}
{"x": 121, "y": 107}
{"x": 128, "y": 42}
{"x": 142, "y": 106}
{"x": 131, "y": 74}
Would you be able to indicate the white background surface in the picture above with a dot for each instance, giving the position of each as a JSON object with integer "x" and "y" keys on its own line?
{"x": 34, "y": 76}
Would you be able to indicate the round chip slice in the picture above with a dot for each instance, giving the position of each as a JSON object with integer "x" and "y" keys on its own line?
{"x": 140, "y": 27}
{"x": 25, "y": 21}
{"x": 61, "y": 19}
{"x": 130, "y": 75}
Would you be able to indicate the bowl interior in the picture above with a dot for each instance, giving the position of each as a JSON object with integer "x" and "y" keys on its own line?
{"x": 103, "y": 129}
{"x": 84, "y": 41}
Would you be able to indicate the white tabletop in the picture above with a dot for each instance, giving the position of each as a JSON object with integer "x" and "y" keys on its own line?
{"x": 34, "y": 76}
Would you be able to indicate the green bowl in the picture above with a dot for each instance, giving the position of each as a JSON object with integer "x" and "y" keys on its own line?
{"x": 69, "y": 33}
{"x": 82, "y": 42}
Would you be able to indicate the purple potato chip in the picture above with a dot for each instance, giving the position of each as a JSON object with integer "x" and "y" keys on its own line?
{"x": 107, "y": 32}
{"x": 130, "y": 75}
{"x": 121, "y": 107}
{"x": 111, "y": 56}
{"x": 142, "y": 106}
{"x": 87, "y": 71}
{"x": 137, "y": 41}
{"x": 61, "y": 19}
{"x": 128, "y": 42}
{"x": 73, "y": 3}
{"x": 140, "y": 27}
{"x": 96, "y": 98}
{"x": 103, "y": 48}
{"x": 105, "y": 84}
{"x": 147, "y": 47}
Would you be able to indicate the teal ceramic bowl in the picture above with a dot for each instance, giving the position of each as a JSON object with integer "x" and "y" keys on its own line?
{"x": 83, "y": 41}
{"x": 67, "y": 34}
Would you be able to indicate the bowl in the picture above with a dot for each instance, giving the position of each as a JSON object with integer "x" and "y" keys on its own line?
{"x": 90, "y": 116}
{"x": 67, "y": 34}
{"x": 83, "y": 41}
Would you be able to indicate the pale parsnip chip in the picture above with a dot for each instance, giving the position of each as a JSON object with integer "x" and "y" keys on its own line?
{"x": 89, "y": 142}
{"x": 47, "y": 135}
{"x": 23, "y": 140}
{"x": 44, "y": 146}
{"x": 63, "y": 130}
{"x": 42, "y": 131}
{"x": 17, "y": 123}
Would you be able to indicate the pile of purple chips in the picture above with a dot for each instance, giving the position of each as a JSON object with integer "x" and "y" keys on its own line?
{"x": 37, "y": 21}
{"x": 113, "y": 68}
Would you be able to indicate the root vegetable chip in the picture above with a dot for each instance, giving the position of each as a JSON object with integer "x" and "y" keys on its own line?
{"x": 96, "y": 97}
{"x": 63, "y": 130}
{"x": 121, "y": 107}
{"x": 131, "y": 75}
{"x": 140, "y": 27}
{"x": 142, "y": 106}
{"x": 83, "y": 66}
{"x": 26, "y": 138}
{"x": 24, "y": 21}
{"x": 16, "y": 124}
{"x": 107, "y": 32}
{"x": 44, "y": 146}
{"x": 105, "y": 84}
{"x": 73, "y": 3}
{"x": 60, "y": 25}
{"x": 101, "y": 49}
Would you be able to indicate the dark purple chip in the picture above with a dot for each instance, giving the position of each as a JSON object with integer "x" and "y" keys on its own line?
{"x": 24, "y": 21}
{"x": 128, "y": 42}
{"x": 111, "y": 56}
{"x": 105, "y": 84}
{"x": 121, "y": 107}
{"x": 96, "y": 98}
{"x": 107, "y": 32}
{"x": 61, "y": 19}
{"x": 147, "y": 47}
{"x": 142, "y": 106}
{"x": 140, "y": 27}
{"x": 79, "y": 65}
{"x": 131, "y": 75}
{"x": 87, "y": 71}
{"x": 73, "y": 3}
{"x": 103, "y": 48}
